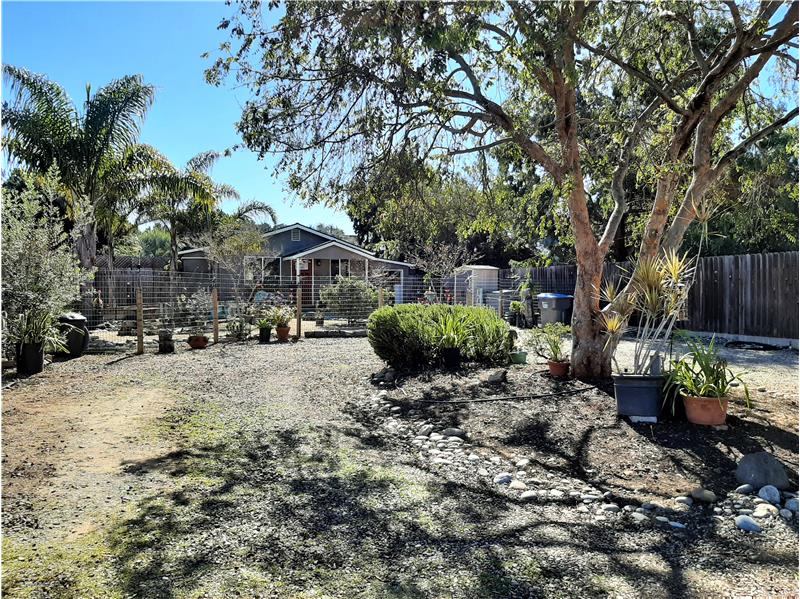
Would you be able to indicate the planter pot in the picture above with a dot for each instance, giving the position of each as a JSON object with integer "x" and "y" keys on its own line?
{"x": 710, "y": 411}
{"x": 519, "y": 357}
{"x": 73, "y": 325}
{"x": 30, "y": 358}
{"x": 282, "y": 333}
{"x": 165, "y": 343}
{"x": 451, "y": 358}
{"x": 197, "y": 341}
{"x": 639, "y": 396}
{"x": 264, "y": 335}
{"x": 558, "y": 369}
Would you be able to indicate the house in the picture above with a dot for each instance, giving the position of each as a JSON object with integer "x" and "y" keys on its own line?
{"x": 296, "y": 254}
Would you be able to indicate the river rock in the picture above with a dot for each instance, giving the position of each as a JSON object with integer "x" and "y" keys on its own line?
{"x": 453, "y": 432}
{"x": 517, "y": 485}
{"x": 761, "y": 469}
{"x": 765, "y": 510}
{"x": 746, "y": 523}
{"x": 791, "y": 504}
{"x": 744, "y": 489}
{"x": 702, "y": 494}
{"x": 770, "y": 493}
{"x": 786, "y": 514}
{"x": 504, "y": 478}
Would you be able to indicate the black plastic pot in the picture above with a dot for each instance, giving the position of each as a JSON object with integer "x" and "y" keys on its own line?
{"x": 638, "y": 395}
{"x": 264, "y": 335}
{"x": 451, "y": 358}
{"x": 166, "y": 345}
{"x": 73, "y": 325}
{"x": 30, "y": 358}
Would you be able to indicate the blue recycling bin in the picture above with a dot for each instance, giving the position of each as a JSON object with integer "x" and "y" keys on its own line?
{"x": 555, "y": 307}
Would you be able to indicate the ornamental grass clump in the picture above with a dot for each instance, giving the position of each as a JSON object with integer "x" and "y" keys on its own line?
{"x": 412, "y": 336}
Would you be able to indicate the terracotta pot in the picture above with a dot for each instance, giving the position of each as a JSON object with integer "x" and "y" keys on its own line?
{"x": 282, "y": 333}
{"x": 197, "y": 341}
{"x": 710, "y": 411}
{"x": 558, "y": 369}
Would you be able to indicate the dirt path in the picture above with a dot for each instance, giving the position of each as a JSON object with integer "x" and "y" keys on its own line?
{"x": 266, "y": 471}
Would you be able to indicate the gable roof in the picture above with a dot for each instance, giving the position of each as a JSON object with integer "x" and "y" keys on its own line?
{"x": 345, "y": 246}
{"x": 315, "y": 232}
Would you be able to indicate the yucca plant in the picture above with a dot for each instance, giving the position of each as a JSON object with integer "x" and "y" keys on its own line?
{"x": 658, "y": 290}
{"x": 452, "y": 331}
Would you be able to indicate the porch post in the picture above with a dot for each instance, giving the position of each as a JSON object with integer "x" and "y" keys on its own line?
{"x": 366, "y": 269}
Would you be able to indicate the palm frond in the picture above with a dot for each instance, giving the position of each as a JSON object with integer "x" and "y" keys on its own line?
{"x": 250, "y": 210}
{"x": 203, "y": 162}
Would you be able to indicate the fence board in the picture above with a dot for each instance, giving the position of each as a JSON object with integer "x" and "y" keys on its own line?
{"x": 753, "y": 294}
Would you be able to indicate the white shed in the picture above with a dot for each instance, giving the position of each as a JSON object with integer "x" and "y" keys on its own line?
{"x": 481, "y": 280}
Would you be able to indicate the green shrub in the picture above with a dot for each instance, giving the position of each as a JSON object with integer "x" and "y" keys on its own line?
{"x": 349, "y": 298}
{"x": 410, "y": 336}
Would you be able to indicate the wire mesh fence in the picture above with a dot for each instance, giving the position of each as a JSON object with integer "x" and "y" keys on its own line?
{"x": 118, "y": 303}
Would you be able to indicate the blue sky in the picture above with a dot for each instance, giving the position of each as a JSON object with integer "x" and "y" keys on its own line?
{"x": 75, "y": 43}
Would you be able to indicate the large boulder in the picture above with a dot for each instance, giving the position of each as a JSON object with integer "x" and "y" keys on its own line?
{"x": 761, "y": 469}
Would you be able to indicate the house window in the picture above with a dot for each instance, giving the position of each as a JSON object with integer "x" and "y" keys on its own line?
{"x": 340, "y": 267}
{"x": 295, "y": 234}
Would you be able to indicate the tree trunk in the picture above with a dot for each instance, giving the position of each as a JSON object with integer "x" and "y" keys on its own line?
{"x": 86, "y": 245}
{"x": 173, "y": 248}
{"x": 589, "y": 358}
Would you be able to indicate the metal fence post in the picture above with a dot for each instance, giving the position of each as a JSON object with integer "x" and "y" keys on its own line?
{"x": 299, "y": 310}
{"x": 380, "y": 297}
{"x": 500, "y": 303}
{"x": 139, "y": 322}
{"x": 215, "y": 313}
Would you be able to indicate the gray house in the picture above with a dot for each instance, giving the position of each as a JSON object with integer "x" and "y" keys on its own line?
{"x": 302, "y": 255}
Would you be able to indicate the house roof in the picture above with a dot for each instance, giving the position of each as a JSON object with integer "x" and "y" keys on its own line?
{"x": 314, "y": 232}
{"x": 345, "y": 246}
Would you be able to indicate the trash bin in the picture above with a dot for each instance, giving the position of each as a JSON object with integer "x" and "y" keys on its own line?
{"x": 555, "y": 307}
{"x": 77, "y": 335}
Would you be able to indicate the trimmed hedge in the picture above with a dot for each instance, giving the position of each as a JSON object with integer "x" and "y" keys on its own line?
{"x": 405, "y": 336}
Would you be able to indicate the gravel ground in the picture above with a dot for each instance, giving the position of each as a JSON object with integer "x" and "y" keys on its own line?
{"x": 282, "y": 471}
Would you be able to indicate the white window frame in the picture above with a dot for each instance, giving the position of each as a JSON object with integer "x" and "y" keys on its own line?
{"x": 295, "y": 234}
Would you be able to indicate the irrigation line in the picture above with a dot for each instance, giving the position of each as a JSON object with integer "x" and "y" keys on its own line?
{"x": 503, "y": 397}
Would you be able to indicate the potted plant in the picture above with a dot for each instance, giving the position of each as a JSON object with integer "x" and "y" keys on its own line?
{"x": 319, "y": 315}
{"x": 704, "y": 381}
{"x": 166, "y": 345}
{"x": 657, "y": 292}
{"x": 264, "y": 330}
{"x": 32, "y": 333}
{"x": 197, "y": 338}
{"x": 280, "y": 316}
{"x": 452, "y": 334}
{"x": 516, "y": 312}
{"x": 238, "y": 327}
{"x": 548, "y": 343}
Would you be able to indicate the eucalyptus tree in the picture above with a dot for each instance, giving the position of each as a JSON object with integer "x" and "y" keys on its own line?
{"x": 337, "y": 88}
{"x": 43, "y": 127}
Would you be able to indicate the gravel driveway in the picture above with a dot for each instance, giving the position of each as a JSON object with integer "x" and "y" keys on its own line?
{"x": 277, "y": 471}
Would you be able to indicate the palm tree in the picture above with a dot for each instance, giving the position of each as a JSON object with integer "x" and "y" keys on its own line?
{"x": 44, "y": 127}
{"x": 175, "y": 192}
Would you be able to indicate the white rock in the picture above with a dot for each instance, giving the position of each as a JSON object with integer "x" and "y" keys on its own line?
{"x": 483, "y": 472}
{"x": 744, "y": 489}
{"x": 684, "y": 500}
{"x": 677, "y": 525}
{"x": 764, "y": 510}
{"x": 639, "y": 518}
{"x": 528, "y": 495}
{"x": 425, "y": 430}
{"x": 555, "y": 493}
{"x": 523, "y": 462}
{"x": 473, "y": 457}
{"x": 609, "y": 507}
{"x": 517, "y": 485}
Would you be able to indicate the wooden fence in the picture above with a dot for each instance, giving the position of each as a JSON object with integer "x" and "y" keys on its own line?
{"x": 749, "y": 295}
